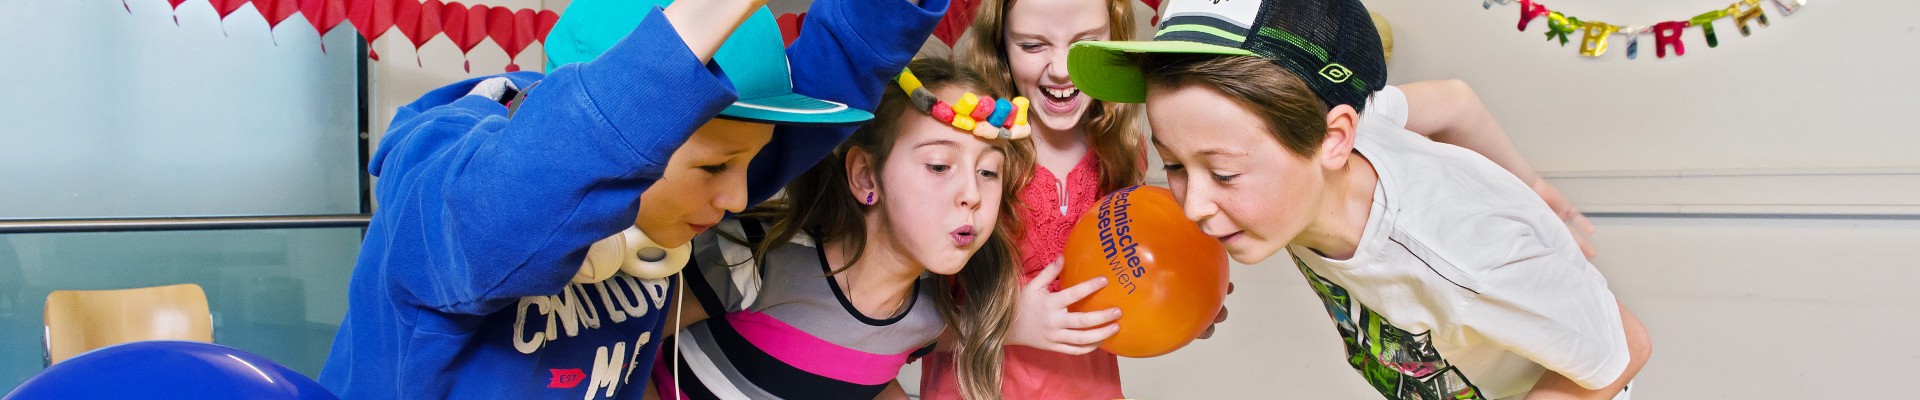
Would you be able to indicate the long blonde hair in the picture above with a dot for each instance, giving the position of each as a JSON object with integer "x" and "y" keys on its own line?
{"x": 819, "y": 204}
{"x": 1112, "y": 128}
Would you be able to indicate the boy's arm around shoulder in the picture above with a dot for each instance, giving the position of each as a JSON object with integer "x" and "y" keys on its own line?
{"x": 1450, "y": 111}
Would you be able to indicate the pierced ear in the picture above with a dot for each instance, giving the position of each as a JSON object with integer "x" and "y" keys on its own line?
{"x": 860, "y": 179}
{"x": 1342, "y": 128}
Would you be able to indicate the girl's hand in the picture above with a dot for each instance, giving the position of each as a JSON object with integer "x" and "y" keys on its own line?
{"x": 705, "y": 24}
{"x": 1217, "y": 318}
{"x": 1577, "y": 222}
{"x": 1041, "y": 319}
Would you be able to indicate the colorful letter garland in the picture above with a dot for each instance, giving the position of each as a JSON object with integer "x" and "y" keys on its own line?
{"x": 1666, "y": 35}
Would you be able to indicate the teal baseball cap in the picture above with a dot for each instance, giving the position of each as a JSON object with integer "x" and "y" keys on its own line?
{"x": 754, "y": 59}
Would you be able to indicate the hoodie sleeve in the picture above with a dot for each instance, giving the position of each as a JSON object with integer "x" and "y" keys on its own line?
{"x": 848, "y": 51}
{"x": 497, "y": 208}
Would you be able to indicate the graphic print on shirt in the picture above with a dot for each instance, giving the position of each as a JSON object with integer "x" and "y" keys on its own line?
{"x": 1399, "y": 364}
{"x": 565, "y": 329}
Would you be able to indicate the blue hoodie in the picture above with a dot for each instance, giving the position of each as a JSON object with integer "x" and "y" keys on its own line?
{"x": 462, "y": 285}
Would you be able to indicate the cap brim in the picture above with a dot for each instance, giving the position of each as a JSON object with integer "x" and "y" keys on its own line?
{"x": 1104, "y": 70}
{"x": 794, "y": 110}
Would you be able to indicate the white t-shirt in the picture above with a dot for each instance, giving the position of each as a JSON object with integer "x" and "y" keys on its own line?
{"x": 1464, "y": 282}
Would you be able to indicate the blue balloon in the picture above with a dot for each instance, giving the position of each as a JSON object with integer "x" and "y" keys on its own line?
{"x": 168, "y": 369}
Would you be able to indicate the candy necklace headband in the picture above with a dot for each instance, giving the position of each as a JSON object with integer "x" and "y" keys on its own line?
{"x": 983, "y": 116}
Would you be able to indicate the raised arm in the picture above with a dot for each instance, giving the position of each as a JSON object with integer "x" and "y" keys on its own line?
{"x": 505, "y": 206}
{"x": 705, "y": 24}
{"x": 848, "y": 52}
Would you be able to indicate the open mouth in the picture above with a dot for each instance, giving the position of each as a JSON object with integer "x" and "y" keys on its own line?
{"x": 963, "y": 235}
{"x": 1059, "y": 99}
{"x": 1061, "y": 94}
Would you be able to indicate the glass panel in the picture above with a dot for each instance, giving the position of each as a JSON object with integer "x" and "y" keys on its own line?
{"x": 117, "y": 112}
{"x": 277, "y": 293}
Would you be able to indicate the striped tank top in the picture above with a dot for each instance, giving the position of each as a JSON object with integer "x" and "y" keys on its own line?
{"x": 781, "y": 328}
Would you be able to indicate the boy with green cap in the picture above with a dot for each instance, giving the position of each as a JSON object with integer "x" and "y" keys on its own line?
{"x": 527, "y": 224}
{"x": 1445, "y": 275}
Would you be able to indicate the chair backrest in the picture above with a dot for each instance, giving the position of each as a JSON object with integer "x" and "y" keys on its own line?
{"x": 82, "y": 320}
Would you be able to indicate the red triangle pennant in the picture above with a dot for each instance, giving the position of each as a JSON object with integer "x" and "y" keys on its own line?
{"x": 959, "y": 17}
{"x": 324, "y": 15}
{"x": 419, "y": 21}
{"x": 276, "y": 11}
{"x": 226, "y": 7}
{"x": 176, "y": 10}
{"x": 505, "y": 27}
{"x": 476, "y": 27}
{"x": 1155, "y": 6}
{"x": 546, "y": 18}
{"x": 372, "y": 18}
{"x": 466, "y": 26}
{"x": 790, "y": 26}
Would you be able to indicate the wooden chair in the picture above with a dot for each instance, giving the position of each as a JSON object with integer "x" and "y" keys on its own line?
{"x": 82, "y": 320}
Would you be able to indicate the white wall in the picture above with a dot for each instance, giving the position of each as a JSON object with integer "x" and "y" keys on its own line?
{"x": 1814, "y": 90}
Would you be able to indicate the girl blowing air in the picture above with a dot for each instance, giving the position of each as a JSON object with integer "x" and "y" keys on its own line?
{"x": 896, "y": 238}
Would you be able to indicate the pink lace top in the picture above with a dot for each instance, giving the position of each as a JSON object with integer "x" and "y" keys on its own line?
{"x": 1048, "y": 219}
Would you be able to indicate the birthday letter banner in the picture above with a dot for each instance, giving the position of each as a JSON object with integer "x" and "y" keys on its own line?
{"x": 1666, "y": 35}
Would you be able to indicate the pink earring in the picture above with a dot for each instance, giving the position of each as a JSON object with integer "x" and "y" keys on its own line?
{"x": 869, "y": 198}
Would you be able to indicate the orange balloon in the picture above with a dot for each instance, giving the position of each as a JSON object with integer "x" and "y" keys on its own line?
{"x": 1167, "y": 277}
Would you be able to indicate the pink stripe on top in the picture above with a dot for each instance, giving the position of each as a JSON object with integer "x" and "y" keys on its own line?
{"x": 812, "y": 354}
{"x": 663, "y": 376}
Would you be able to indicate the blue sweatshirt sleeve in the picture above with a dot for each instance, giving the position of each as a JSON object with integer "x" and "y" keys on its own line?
{"x": 497, "y": 208}
{"x": 848, "y": 51}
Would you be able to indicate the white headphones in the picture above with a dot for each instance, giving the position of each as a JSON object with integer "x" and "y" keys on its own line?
{"x": 633, "y": 252}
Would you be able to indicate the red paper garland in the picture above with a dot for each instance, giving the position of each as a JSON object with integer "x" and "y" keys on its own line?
{"x": 959, "y": 17}
{"x": 512, "y": 30}
{"x": 176, "y": 10}
{"x": 547, "y": 19}
{"x": 790, "y": 26}
{"x": 276, "y": 11}
{"x": 324, "y": 15}
{"x": 466, "y": 26}
{"x": 372, "y": 18}
{"x": 419, "y": 21}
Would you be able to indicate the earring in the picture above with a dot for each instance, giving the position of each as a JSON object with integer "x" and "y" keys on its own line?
{"x": 869, "y": 198}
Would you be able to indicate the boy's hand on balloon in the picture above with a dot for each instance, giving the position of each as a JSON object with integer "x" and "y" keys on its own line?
{"x": 1041, "y": 319}
{"x": 1217, "y": 319}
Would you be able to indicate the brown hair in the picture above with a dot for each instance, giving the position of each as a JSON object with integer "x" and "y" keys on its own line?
{"x": 1112, "y": 128}
{"x": 819, "y": 204}
{"x": 1293, "y": 113}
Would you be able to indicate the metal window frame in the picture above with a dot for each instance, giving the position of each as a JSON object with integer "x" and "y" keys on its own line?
{"x": 237, "y": 222}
